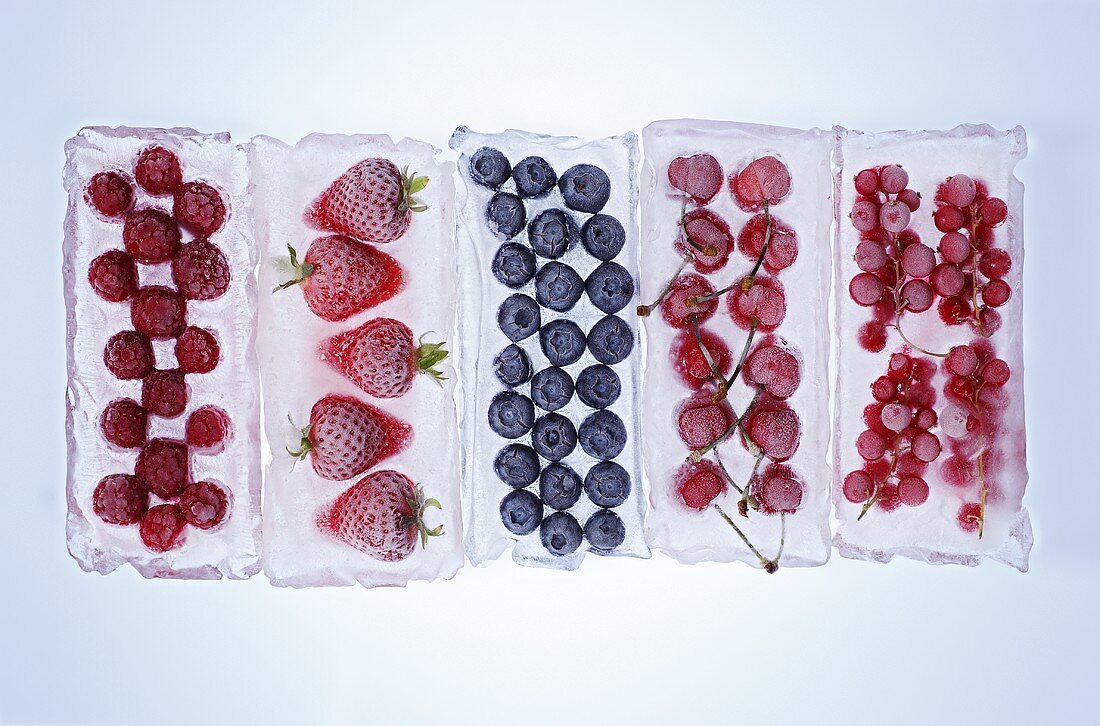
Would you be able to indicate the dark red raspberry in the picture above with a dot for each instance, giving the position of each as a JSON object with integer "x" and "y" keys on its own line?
{"x": 158, "y": 170}
{"x": 163, "y": 467}
{"x": 164, "y": 393}
{"x": 124, "y": 423}
{"x": 207, "y": 427}
{"x": 197, "y": 351}
{"x": 110, "y": 193}
{"x": 161, "y": 527}
{"x": 158, "y": 312}
{"x": 151, "y": 236}
{"x": 120, "y": 499}
{"x": 199, "y": 208}
{"x": 204, "y": 504}
{"x": 129, "y": 355}
{"x": 200, "y": 271}
{"x": 113, "y": 275}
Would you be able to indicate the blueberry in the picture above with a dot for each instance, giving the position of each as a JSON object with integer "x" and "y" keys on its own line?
{"x": 603, "y": 236}
{"x": 604, "y": 530}
{"x": 560, "y": 534}
{"x": 521, "y": 511}
{"x": 602, "y": 435}
{"x": 557, "y": 286}
{"x": 513, "y": 264}
{"x": 610, "y": 340}
{"x": 585, "y": 188}
{"x": 517, "y": 465}
{"x": 519, "y": 317}
{"x": 610, "y": 287}
{"x": 607, "y": 484}
{"x": 534, "y": 177}
{"x": 505, "y": 215}
{"x": 551, "y": 388}
{"x": 554, "y": 436}
{"x": 562, "y": 341}
{"x": 551, "y": 233}
{"x": 489, "y": 167}
{"x": 512, "y": 366}
{"x": 598, "y": 386}
{"x": 511, "y": 414}
{"x": 559, "y": 486}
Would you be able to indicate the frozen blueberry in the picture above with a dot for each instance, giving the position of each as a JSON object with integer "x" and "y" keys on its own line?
{"x": 517, "y": 465}
{"x": 534, "y": 177}
{"x": 610, "y": 340}
{"x": 512, "y": 366}
{"x": 585, "y": 188}
{"x": 551, "y": 388}
{"x": 610, "y": 287}
{"x": 562, "y": 341}
{"x": 506, "y": 215}
{"x": 521, "y": 511}
{"x": 603, "y": 236}
{"x": 551, "y": 233}
{"x": 489, "y": 167}
{"x": 519, "y": 317}
{"x": 560, "y": 534}
{"x": 598, "y": 386}
{"x": 511, "y": 414}
{"x": 607, "y": 484}
{"x": 559, "y": 486}
{"x": 554, "y": 436}
{"x": 557, "y": 286}
{"x": 604, "y": 530}
{"x": 602, "y": 435}
{"x": 513, "y": 264}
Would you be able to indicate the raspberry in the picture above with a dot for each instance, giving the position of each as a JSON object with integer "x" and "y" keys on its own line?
{"x": 113, "y": 276}
{"x": 124, "y": 423}
{"x": 204, "y": 504}
{"x": 161, "y": 527}
{"x": 207, "y": 427}
{"x": 200, "y": 271}
{"x": 159, "y": 312}
{"x": 110, "y": 193}
{"x": 163, "y": 467}
{"x": 120, "y": 499}
{"x": 197, "y": 351}
{"x": 158, "y": 170}
{"x": 151, "y": 236}
{"x": 199, "y": 208}
{"x": 128, "y": 355}
{"x": 164, "y": 393}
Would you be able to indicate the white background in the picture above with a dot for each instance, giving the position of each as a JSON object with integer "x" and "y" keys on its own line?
{"x": 619, "y": 641}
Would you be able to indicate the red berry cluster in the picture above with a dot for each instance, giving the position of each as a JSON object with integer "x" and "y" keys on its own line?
{"x": 200, "y": 271}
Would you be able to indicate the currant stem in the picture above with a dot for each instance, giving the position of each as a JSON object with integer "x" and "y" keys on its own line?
{"x": 644, "y": 310}
{"x": 981, "y": 504}
{"x": 769, "y": 566}
{"x": 726, "y": 473}
{"x": 897, "y": 326}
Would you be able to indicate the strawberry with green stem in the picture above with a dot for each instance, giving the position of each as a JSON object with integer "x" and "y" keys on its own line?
{"x": 346, "y": 436}
{"x": 381, "y": 357}
{"x": 372, "y": 201}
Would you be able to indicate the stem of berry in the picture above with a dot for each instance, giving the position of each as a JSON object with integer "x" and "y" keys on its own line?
{"x": 725, "y": 472}
{"x": 708, "y": 250}
{"x": 304, "y": 446}
{"x": 897, "y": 326}
{"x": 721, "y": 384}
{"x": 644, "y": 310}
{"x": 300, "y": 271}
{"x": 698, "y": 454}
{"x": 748, "y": 500}
{"x": 981, "y": 504}
{"x": 770, "y": 566}
{"x": 745, "y": 282}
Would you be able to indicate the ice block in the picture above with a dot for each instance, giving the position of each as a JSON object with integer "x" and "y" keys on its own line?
{"x": 163, "y": 390}
{"x": 358, "y": 295}
{"x": 548, "y": 244}
{"x": 929, "y": 438}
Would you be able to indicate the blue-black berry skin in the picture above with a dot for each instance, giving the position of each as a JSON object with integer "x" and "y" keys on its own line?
{"x": 598, "y": 386}
{"x": 561, "y": 534}
{"x": 517, "y": 465}
{"x": 610, "y": 287}
{"x": 512, "y": 366}
{"x": 603, "y": 236}
{"x": 558, "y": 286}
{"x": 511, "y": 414}
{"x": 607, "y": 484}
{"x": 552, "y": 233}
{"x": 585, "y": 188}
{"x": 505, "y": 215}
{"x": 551, "y": 388}
{"x": 534, "y": 177}
{"x": 519, "y": 317}
{"x": 513, "y": 265}
{"x": 602, "y": 435}
{"x": 553, "y": 436}
{"x": 559, "y": 486}
{"x": 489, "y": 167}
{"x": 521, "y": 511}
{"x": 610, "y": 340}
{"x": 562, "y": 342}
{"x": 604, "y": 531}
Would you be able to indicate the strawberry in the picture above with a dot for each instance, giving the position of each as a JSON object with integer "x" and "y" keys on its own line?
{"x": 345, "y": 437}
{"x": 381, "y": 515}
{"x": 381, "y": 358}
{"x": 372, "y": 201}
{"x": 341, "y": 277}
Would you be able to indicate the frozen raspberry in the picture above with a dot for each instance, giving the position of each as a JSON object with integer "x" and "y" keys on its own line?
{"x": 158, "y": 170}
{"x": 110, "y": 193}
{"x": 158, "y": 312}
{"x": 164, "y": 393}
{"x": 124, "y": 423}
{"x": 113, "y": 276}
{"x": 163, "y": 467}
{"x": 698, "y": 484}
{"x": 151, "y": 236}
{"x": 200, "y": 271}
{"x": 207, "y": 427}
{"x": 204, "y": 504}
{"x": 197, "y": 351}
{"x": 162, "y": 527}
{"x": 199, "y": 208}
{"x": 128, "y": 355}
{"x": 120, "y": 499}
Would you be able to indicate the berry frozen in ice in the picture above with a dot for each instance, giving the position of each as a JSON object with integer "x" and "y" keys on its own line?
{"x": 917, "y": 295}
{"x": 204, "y": 505}
{"x": 610, "y": 287}
{"x": 689, "y": 361}
{"x": 158, "y": 171}
{"x": 995, "y": 293}
{"x": 777, "y": 490}
{"x": 559, "y": 486}
{"x": 893, "y": 216}
{"x": 150, "y": 236}
{"x": 553, "y": 436}
{"x": 782, "y": 242}
{"x": 699, "y": 176}
{"x": 197, "y": 350}
{"x": 120, "y": 499}
{"x": 918, "y": 260}
{"x": 947, "y": 279}
{"x": 866, "y": 182}
{"x": 959, "y": 190}
{"x": 382, "y": 358}
{"x": 128, "y": 355}
{"x": 372, "y": 201}
{"x": 954, "y": 248}
{"x": 558, "y": 286}
{"x": 511, "y": 414}
{"x": 207, "y": 428}
{"x": 512, "y": 366}
{"x": 521, "y": 511}
{"x": 603, "y": 236}
{"x": 607, "y": 484}
{"x": 602, "y": 435}
{"x": 775, "y": 428}
{"x": 598, "y": 386}
{"x": 113, "y": 275}
{"x": 534, "y": 177}
{"x": 164, "y": 393}
{"x": 346, "y": 436}
{"x": 489, "y": 167}
{"x": 858, "y": 487}
{"x": 949, "y": 218}
{"x": 865, "y": 289}
{"x": 995, "y": 263}
{"x": 993, "y": 211}
{"x": 682, "y": 304}
{"x": 513, "y": 265}
{"x": 161, "y": 528}
{"x": 605, "y": 530}
{"x": 124, "y": 423}
{"x": 198, "y": 207}
{"x": 610, "y": 340}
{"x": 552, "y": 233}
{"x": 560, "y": 534}
{"x": 109, "y": 193}
{"x": 699, "y": 483}
{"x": 701, "y": 421}
{"x": 505, "y": 215}
{"x": 763, "y": 301}
{"x": 707, "y": 238}
{"x": 871, "y": 445}
{"x": 585, "y": 188}
{"x": 158, "y": 312}
{"x": 910, "y": 198}
{"x": 864, "y": 215}
{"x": 775, "y": 368}
{"x": 201, "y": 271}
{"x": 163, "y": 467}
{"x": 893, "y": 179}
{"x": 562, "y": 342}
{"x": 551, "y": 388}
{"x": 763, "y": 181}
{"x": 517, "y": 465}
{"x": 341, "y": 277}
{"x": 519, "y": 317}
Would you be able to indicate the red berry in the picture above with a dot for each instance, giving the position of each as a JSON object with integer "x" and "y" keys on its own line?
{"x": 970, "y": 515}
{"x": 199, "y": 208}
{"x": 158, "y": 312}
{"x": 699, "y": 483}
{"x": 775, "y": 368}
{"x": 858, "y": 487}
{"x": 109, "y": 193}
{"x": 782, "y": 242}
{"x": 113, "y": 275}
{"x": 709, "y": 240}
{"x": 995, "y": 293}
{"x": 910, "y": 198}
{"x": 341, "y": 277}
{"x": 158, "y": 170}
{"x": 372, "y": 201}
{"x": 775, "y": 428}
{"x": 884, "y": 389}
{"x": 995, "y": 263}
{"x": 864, "y": 215}
{"x": 926, "y": 447}
{"x": 872, "y": 418}
{"x": 888, "y": 497}
{"x": 990, "y": 322}
{"x": 896, "y": 416}
{"x": 699, "y": 176}
{"x": 917, "y": 295}
{"x": 958, "y": 471}
{"x": 865, "y": 289}
{"x": 912, "y": 491}
{"x": 763, "y": 181}
{"x": 129, "y": 355}
{"x": 124, "y": 423}
{"x": 162, "y": 527}
{"x": 918, "y": 260}
{"x": 764, "y": 301}
{"x": 900, "y": 367}
{"x": 949, "y": 218}
{"x": 996, "y": 372}
{"x": 688, "y": 360}
{"x": 892, "y": 178}
{"x": 164, "y": 393}
{"x": 197, "y": 350}
{"x": 872, "y": 336}
{"x": 947, "y": 280}
{"x": 961, "y": 360}
{"x": 204, "y": 504}
{"x": 894, "y": 216}
{"x": 201, "y": 271}
{"x": 163, "y": 467}
{"x": 871, "y": 445}
{"x": 867, "y": 182}
{"x": 959, "y": 190}
{"x": 870, "y": 256}
{"x": 151, "y": 236}
{"x": 207, "y": 427}
{"x": 777, "y": 490}
{"x": 679, "y": 306}
{"x": 700, "y": 421}
{"x": 954, "y": 310}
{"x": 993, "y": 211}
{"x": 925, "y": 419}
{"x": 954, "y": 248}
{"x": 120, "y": 499}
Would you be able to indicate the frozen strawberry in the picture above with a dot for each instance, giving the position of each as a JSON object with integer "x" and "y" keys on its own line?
{"x": 764, "y": 301}
{"x": 199, "y": 208}
{"x": 774, "y": 367}
{"x": 345, "y": 437}
{"x": 381, "y": 515}
{"x": 701, "y": 421}
{"x": 128, "y": 355}
{"x": 777, "y": 490}
{"x": 158, "y": 312}
{"x": 124, "y": 423}
{"x": 120, "y": 499}
{"x": 341, "y": 277}
{"x": 163, "y": 467}
{"x": 207, "y": 428}
{"x": 781, "y": 240}
{"x": 201, "y": 271}
{"x": 764, "y": 181}
{"x": 699, "y": 176}
{"x": 151, "y": 236}
{"x": 699, "y": 483}
{"x": 775, "y": 428}
{"x": 690, "y": 362}
{"x": 203, "y": 504}
{"x": 162, "y": 527}
{"x": 164, "y": 393}
{"x": 197, "y": 350}
{"x": 158, "y": 170}
{"x": 708, "y": 240}
{"x": 682, "y": 305}
{"x": 113, "y": 275}
{"x": 381, "y": 357}
{"x": 109, "y": 193}
{"x": 372, "y": 201}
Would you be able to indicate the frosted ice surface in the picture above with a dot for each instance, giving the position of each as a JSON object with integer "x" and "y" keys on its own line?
{"x": 287, "y": 179}
{"x": 231, "y": 548}
{"x": 483, "y": 294}
{"x": 975, "y": 420}
{"x": 699, "y": 532}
